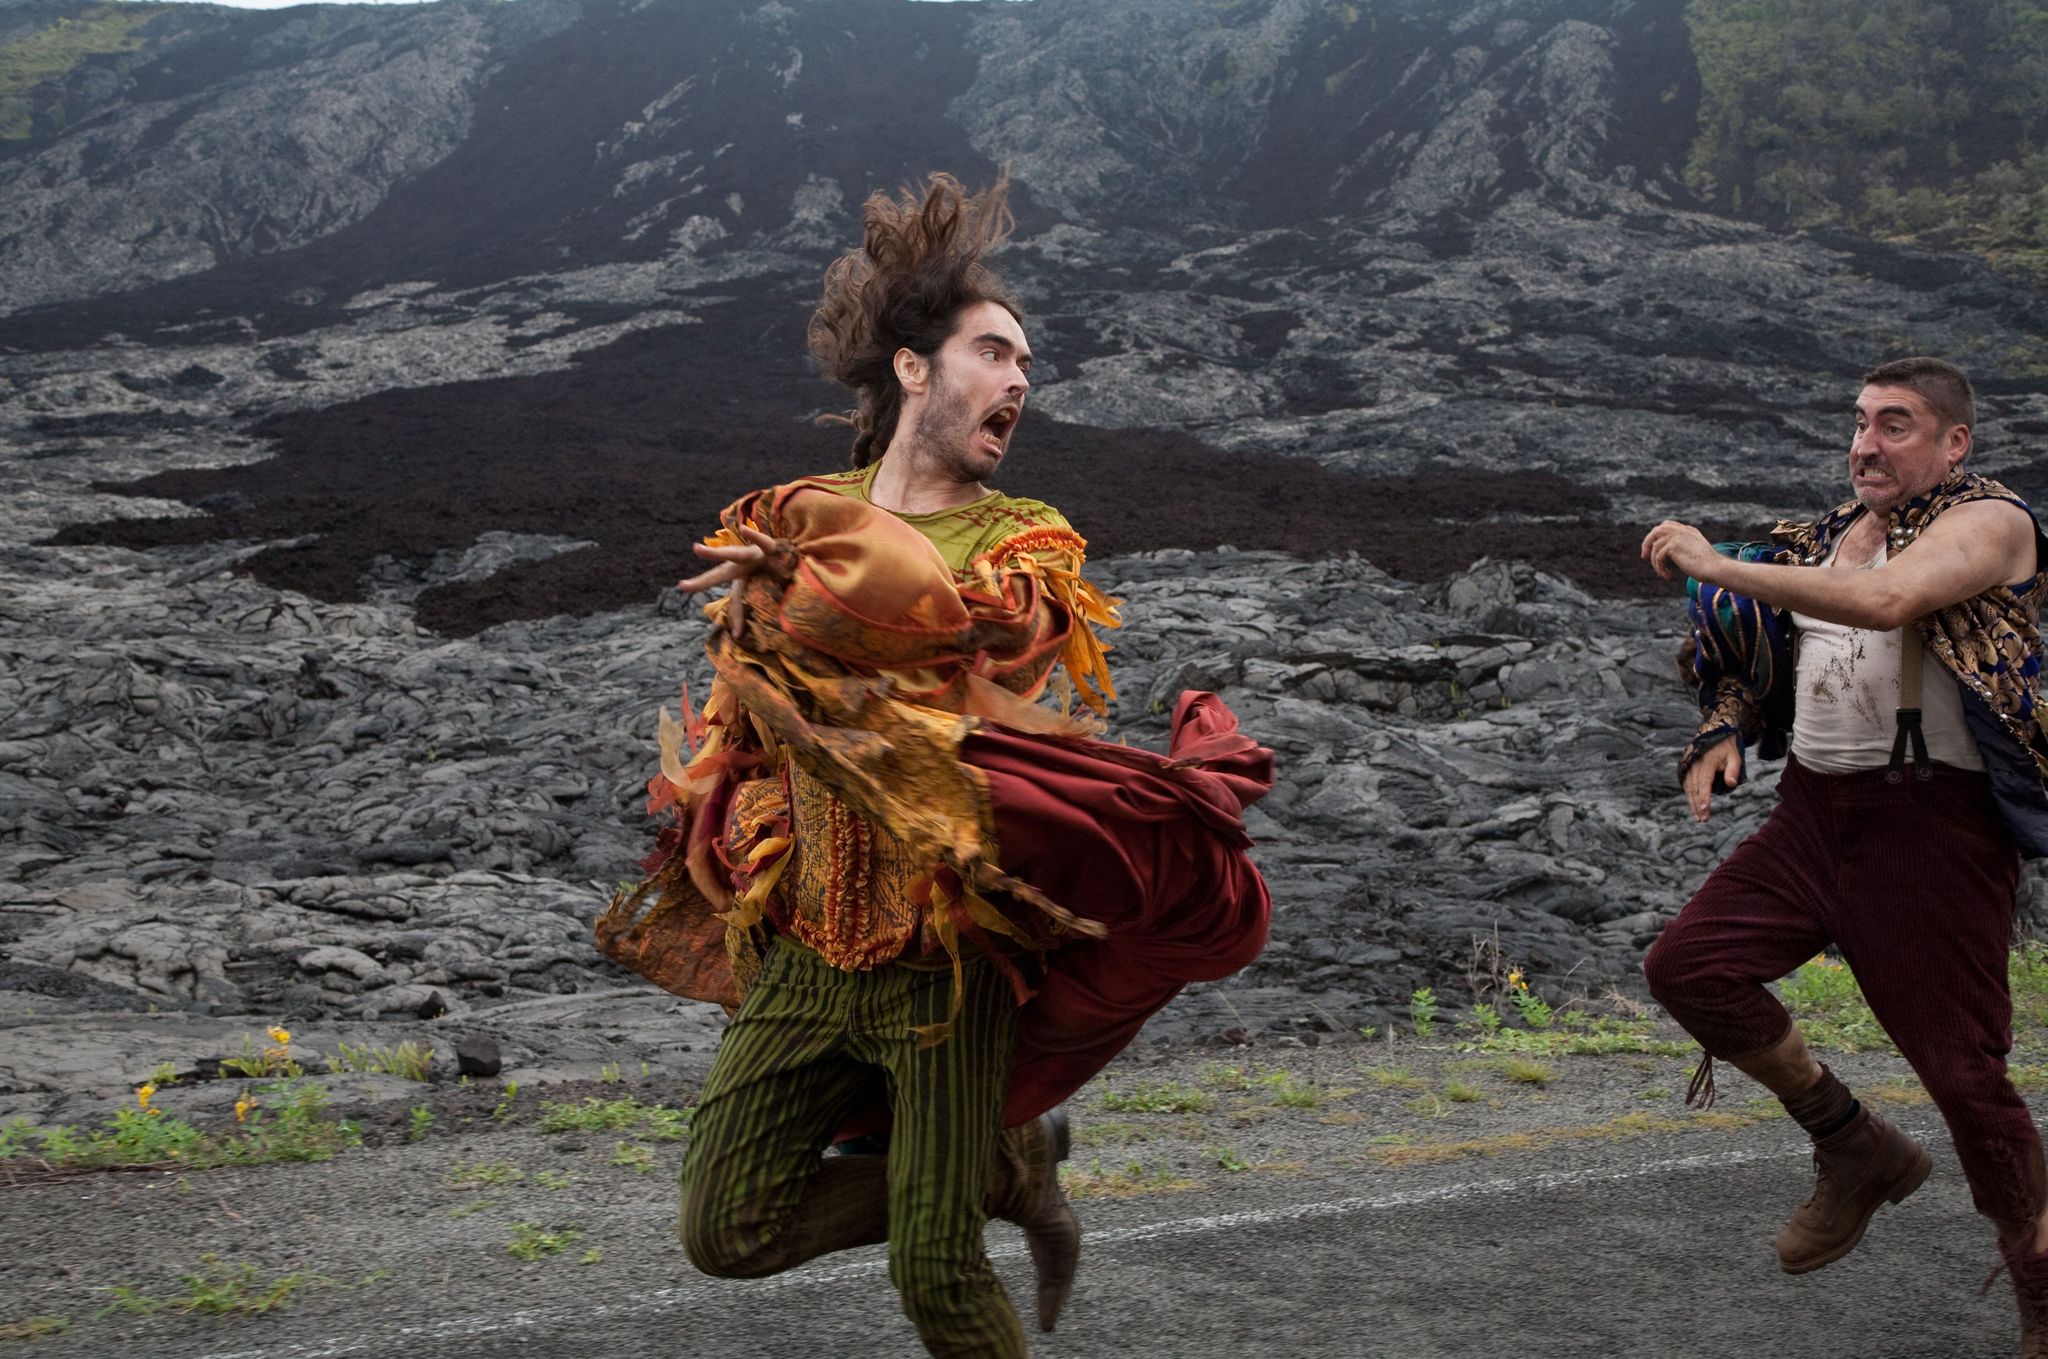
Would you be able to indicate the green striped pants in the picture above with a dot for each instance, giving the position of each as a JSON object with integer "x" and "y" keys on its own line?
{"x": 758, "y": 1197}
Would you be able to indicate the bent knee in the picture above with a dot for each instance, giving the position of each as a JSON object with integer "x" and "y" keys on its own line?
{"x": 721, "y": 1251}
{"x": 1666, "y": 970}
{"x": 722, "y": 1260}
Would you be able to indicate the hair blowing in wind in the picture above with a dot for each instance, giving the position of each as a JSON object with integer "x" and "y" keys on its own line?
{"x": 920, "y": 264}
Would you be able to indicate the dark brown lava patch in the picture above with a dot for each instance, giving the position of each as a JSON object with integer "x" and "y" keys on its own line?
{"x": 638, "y": 445}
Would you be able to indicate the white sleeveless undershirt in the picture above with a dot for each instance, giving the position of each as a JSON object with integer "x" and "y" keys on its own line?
{"x": 1843, "y": 718}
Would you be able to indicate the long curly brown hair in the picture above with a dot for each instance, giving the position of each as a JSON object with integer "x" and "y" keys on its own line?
{"x": 919, "y": 266}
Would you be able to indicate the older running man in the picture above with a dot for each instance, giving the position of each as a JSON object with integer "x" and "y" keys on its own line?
{"x": 1893, "y": 643}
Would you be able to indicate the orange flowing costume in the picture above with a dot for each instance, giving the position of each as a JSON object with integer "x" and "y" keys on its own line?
{"x": 872, "y": 778}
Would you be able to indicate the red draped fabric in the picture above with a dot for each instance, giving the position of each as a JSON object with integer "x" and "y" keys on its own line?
{"x": 1119, "y": 875}
{"x": 1152, "y": 847}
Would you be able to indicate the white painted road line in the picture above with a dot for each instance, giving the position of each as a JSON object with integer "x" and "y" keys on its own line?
{"x": 1095, "y": 1242}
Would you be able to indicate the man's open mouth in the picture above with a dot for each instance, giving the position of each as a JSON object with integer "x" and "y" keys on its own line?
{"x": 996, "y": 429}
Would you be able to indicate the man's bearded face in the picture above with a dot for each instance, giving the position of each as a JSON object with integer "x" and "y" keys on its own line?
{"x": 979, "y": 380}
{"x": 1901, "y": 449}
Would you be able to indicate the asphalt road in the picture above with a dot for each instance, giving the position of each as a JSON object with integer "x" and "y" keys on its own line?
{"x": 1652, "y": 1246}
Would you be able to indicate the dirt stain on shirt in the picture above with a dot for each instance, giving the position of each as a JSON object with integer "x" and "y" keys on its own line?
{"x": 1841, "y": 680}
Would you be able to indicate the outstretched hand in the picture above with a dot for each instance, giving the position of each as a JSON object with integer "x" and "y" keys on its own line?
{"x": 1674, "y": 547}
{"x": 1723, "y": 761}
{"x": 735, "y": 565}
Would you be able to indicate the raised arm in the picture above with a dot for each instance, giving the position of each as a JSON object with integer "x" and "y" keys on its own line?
{"x": 1966, "y": 551}
{"x": 736, "y": 562}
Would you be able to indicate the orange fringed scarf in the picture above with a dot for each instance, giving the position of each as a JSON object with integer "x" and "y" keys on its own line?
{"x": 826, "y": 797}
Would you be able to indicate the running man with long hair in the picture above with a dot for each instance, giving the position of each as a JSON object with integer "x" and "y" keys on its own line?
{"x": 938, "y": 905}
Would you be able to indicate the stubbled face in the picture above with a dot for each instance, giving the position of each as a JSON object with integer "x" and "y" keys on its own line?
{"x": 1901, "y": 448}
{"x": 979, "y": 378}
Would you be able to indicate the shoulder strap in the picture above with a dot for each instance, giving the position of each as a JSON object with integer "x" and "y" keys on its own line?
{"x": 1909, "y": 709}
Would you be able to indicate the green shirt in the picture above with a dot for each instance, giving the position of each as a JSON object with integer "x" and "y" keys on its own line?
{"x": 963, "y": 532}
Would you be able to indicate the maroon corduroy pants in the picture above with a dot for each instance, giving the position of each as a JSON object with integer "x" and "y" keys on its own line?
{"x": 1913, "y": 882}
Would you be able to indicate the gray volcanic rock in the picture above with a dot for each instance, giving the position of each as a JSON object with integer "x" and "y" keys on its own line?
{"x": 1139, "y": 110}
{"x": 1162, "y": 110}
{"x": 333, "y": 109}
{"x": 1402, "y": 240}
{"x": 697, "y": 128}
{"x": 229, "y": 799}
{"x": 478, "y": 1055}
{"x": 1440, "y": 790}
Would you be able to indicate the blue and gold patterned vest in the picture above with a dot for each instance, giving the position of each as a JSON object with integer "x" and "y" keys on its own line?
{"x": 1991, "y": 642}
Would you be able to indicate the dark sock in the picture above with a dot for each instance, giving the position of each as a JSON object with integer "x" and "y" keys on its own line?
{"x": 1848, "y": 1117}
{"x": 1824, "y": 1109}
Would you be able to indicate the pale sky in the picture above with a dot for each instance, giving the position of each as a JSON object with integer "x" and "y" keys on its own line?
{"x": 285, "y": 4}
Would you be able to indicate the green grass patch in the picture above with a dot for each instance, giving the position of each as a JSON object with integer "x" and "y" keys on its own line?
{"x": 634, "y": 1157}
{"x": 1890, "y": 120}
{"x": 1899, "y": 1092}
{"x": 1226, "y": 1158}
{"x": 1516, "y": 1067}
{"x": 1164, "y": 1098}
{"x": 1428, "y": 1106}
{"x": 2031, "y": 1077}
{"x": 409, "y": 1059}
{"x": 656, "y": 1122}
{"x": 1126, "y": 1181}
{"x": 34, "y": 1328}
{"x": 1408, "y": 1153}
{"x": 1394, "y": 1078}
{"x": 1586, "y": 1038}
{"x": 54, "y": 51}
{"x": 2027, "y": 974}
{"x": 1290, "y": 1091}
{"x": 288, "y": 1122}
{"x": 1112, "y": 1133}
{"x": 1825, "y": 1002}
{"x": 220, "y": 1289}
{"x": 1217, "y": 1076}
{"x": 484, "y": 1175}
{"x": 531, "y": 1241}
{"x": 1526, "y": 1071}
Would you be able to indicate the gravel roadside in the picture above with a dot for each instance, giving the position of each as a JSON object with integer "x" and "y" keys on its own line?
{"x": 490, "y": 1216}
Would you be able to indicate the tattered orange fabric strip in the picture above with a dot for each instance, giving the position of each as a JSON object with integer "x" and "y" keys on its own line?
{"x": 864, "y": 671}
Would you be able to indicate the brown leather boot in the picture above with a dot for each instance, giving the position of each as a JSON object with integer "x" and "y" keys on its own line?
{"x": 1866, "y": 1164}
{"x": 2030, "y": 1284}
{"x": 1026, "y": 1191}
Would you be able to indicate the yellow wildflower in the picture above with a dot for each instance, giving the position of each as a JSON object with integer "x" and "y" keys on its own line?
{"x": 145, "y": 1092}
{"x": 278, "y": 1035}
{"x": 243, "y": 1106}
{"x": 1515, "y": 980}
